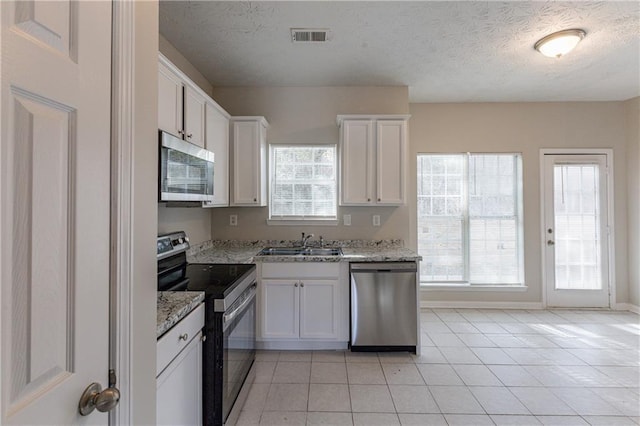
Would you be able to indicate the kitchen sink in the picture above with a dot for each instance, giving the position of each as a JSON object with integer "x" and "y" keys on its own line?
{"x": 295, "y": 251}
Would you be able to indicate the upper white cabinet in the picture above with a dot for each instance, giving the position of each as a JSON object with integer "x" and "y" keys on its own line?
{"x": 373, "y": 159}
{"x": 249, "y": 161}
{"x": 217, "y": 141}
{"x": 181, "y": 104}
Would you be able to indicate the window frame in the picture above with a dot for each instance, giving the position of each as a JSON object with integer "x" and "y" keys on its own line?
{"x": 297, "y": 219}
{"x": 518, "y": 184}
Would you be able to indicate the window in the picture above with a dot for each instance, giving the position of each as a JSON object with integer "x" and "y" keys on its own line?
{"x": 303, "y": 182}
{"x": 470, "y": 218}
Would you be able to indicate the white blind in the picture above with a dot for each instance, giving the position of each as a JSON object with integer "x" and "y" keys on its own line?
{"x": 303, "y": 181}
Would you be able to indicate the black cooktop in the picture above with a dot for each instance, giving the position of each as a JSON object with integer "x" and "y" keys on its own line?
{"x": 216, "y": 280}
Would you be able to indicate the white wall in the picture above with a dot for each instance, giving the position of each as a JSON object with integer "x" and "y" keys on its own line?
{"x": 633, "y": 167}
{"x": 525, "y": 128}
{"x": 196, "y": 222}
{"x": 308, "y": 115}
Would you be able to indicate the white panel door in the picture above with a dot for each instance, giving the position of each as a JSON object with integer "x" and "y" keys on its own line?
{"x": 280, "y": 309}
{"x": 55, "y": 208}
{"x": 576, "y": 230}
{"x": 390, "y": 161}
{"x": 217, "y": 141}
{"x": 356, "y": 172}
{"x": 319, "y": 309}
{"x": 194, "y": 116}
{"x": 169, "y": 101}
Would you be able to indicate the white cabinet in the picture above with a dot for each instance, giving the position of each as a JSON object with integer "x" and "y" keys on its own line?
{"x": 373, "y": 159}
{"x": 181, "y": 104}
{"x": 217, "y": 141}
{"x": 179, "y": 372}
{"x": 249, "y": 161}
{"x": 302, "y": 305}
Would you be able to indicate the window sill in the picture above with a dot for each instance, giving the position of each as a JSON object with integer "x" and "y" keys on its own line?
{"x": 475, "y": 287}
{"x": 300, "y": 222}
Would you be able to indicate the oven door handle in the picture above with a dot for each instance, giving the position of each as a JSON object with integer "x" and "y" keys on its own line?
{"x": 228, "y": 317}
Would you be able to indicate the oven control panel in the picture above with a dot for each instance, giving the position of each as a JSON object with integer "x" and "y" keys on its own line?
{"x": 170, "y": 244}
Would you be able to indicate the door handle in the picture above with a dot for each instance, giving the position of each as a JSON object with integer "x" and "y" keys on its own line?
{"x": 94, "y": 397}
{"x": 550, "y": 242}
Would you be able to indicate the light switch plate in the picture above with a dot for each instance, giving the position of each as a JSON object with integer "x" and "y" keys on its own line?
{"x": 376, "y": 220}
{"x": 346, "y": 220}
{"x": 233, "y": 220}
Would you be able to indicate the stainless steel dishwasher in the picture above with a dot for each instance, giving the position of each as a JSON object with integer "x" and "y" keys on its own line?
{"x": 384, "y": 306}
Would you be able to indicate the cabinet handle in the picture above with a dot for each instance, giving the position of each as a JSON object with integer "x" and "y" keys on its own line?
{"x": 379, "y": 199}
{"x": 295, "y": 285}
{"x": 203, "y": 338}
{"x": 180, "y": 132}
{"x": 368, "y": 199}
{"x": 184, "y": 337}
{"x": 255, "y": 200}
{"x": 189, "y": 135}
{"x": 301, "y": 284}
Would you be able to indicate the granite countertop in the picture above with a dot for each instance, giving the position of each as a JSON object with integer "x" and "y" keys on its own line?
{"x": 173, "y": 306}
{"x": 232, "y": 251}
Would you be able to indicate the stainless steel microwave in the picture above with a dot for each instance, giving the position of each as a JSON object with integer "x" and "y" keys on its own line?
{"x": 186, "y": 171}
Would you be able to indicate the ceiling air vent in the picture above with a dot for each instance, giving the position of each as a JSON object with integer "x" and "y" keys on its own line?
{"x": 309, "y": 35}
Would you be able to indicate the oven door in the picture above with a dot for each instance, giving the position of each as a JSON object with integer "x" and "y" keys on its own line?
{"x": 239, "y": 346}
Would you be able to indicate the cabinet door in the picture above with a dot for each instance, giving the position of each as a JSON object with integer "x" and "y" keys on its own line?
{"x": 357, "y": 163}
{"x": 179, "y": 388}
{"x": 319, "y": 309}
{"x": 249, "y": 164}
{"x": 390, "y": 163}
{"x": 280, "y": 309}
{"x": 217, "y": 141}
{"x": 194, "y": 116}
{"x": 169, "y": 101}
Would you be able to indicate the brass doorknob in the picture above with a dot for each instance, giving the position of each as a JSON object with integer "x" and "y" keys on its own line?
{"x": 94, "y": 397}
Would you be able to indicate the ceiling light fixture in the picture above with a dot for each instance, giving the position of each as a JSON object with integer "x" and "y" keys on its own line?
{"x": 559, "y": 44}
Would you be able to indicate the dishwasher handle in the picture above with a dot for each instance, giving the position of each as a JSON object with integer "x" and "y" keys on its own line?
{"x": 384, "y": 267}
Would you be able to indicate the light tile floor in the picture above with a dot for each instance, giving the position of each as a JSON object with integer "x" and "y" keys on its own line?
{"x": 476, "y": 367}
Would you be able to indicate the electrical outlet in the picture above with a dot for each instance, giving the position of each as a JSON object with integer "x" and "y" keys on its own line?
{"x": 376, "y": 220}
{"x": 233, "y": 220}
{"x": 346, "y": 220}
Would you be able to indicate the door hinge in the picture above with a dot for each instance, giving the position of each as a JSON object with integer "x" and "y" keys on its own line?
{"x": 112, "y": 378}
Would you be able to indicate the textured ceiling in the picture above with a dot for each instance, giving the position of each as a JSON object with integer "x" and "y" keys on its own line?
{"x": 443, "y": 51}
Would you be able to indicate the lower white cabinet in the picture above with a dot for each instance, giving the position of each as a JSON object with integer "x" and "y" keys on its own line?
{"x": 303, "y": 305}
{"x": 179, "y": 372}
{"x": 305, "y": 309}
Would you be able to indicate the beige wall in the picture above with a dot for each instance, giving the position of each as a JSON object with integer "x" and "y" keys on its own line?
{"x": 308, "y": 115}
{"x": 525, "y": 128}
{"x": 196, "y": 222}
{"x": 633, "y": 167}
{"x": 168, "y": 50}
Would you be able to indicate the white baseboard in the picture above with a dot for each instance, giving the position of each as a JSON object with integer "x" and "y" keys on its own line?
{"x": 627, "y": 307}
{"x": 480, "y": 305}
{"x": 297, "y": 345}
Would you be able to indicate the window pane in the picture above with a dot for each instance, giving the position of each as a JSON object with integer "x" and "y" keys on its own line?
{"x": 303, "y": 181}
{"x": 440, "y": 222}
{"x": 468, "y": 223}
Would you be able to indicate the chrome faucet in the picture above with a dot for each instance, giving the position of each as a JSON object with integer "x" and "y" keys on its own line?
{"x": 303, "y": 242}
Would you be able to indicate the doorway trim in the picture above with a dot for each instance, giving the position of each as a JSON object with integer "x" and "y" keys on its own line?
{"x": 610, "y": 244}
{"x": 122, "y": 208}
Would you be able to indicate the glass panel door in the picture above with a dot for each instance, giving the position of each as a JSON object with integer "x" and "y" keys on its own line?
{"x": 576, "y": 231}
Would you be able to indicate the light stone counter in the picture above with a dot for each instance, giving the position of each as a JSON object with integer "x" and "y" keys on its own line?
{"x": 173, "y": 306}
{"x": 232, "y": 251}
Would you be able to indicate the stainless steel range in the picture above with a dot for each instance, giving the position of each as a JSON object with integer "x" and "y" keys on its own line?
{"x": 230, "y": 324}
